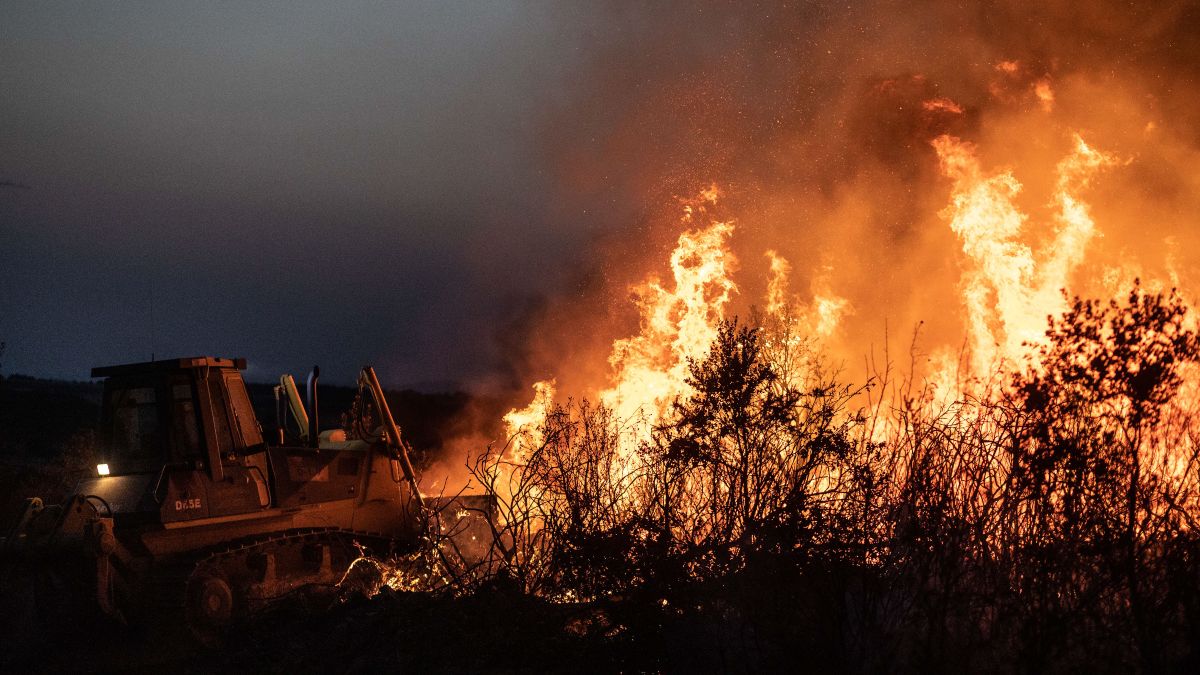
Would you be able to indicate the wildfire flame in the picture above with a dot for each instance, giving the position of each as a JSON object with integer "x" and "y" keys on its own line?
{"x": 1015, "y": 268}
{"x": 1007, "y": 290}
{"x": 523, "y": 426}
{"x": 777, "y": 286}
{"x": 1011, "y": 266}
{"x": 678, "y": 322}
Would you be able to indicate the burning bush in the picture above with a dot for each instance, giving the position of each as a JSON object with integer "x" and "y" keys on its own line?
{"x": 1037, "y": 526}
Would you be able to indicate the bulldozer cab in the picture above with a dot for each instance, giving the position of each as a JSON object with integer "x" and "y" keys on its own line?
{"x": 182, "y": 411}
{"x": 181, "y": 439}
{"x": 182, "y": 447}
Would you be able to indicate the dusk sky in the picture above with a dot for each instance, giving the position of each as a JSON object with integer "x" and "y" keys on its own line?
{"x": 292, "y": 182}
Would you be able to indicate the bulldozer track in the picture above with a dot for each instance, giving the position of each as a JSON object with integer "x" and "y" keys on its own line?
{"x": 167, "y": 586}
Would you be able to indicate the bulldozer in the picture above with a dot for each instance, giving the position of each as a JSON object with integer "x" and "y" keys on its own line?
{"x": 194, "y": 515}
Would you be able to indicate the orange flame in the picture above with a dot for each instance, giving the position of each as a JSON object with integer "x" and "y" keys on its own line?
{"x": 1007, "y": 290}
{"x": 819, "y": 319}
{"x": 678, "y": 324}
{"x": 777, "y": 284}
{"x": 523, "y": 427}
{"x": 1044, "y": 93}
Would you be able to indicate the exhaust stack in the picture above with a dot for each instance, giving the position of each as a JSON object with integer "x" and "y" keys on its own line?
{"x": 314, "y": 427}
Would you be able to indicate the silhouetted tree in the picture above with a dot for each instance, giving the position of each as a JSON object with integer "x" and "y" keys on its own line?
{"x": 1094, "y": 480}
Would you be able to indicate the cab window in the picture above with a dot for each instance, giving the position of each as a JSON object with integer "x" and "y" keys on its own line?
{"x": 220, "y": 420}
{"x": 184, "y": 417}
{"x": 243, "y": 412}
{"x": 134, "y": 429}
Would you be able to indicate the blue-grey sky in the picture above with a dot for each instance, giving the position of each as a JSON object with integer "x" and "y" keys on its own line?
{"x": 292, "y": 182}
